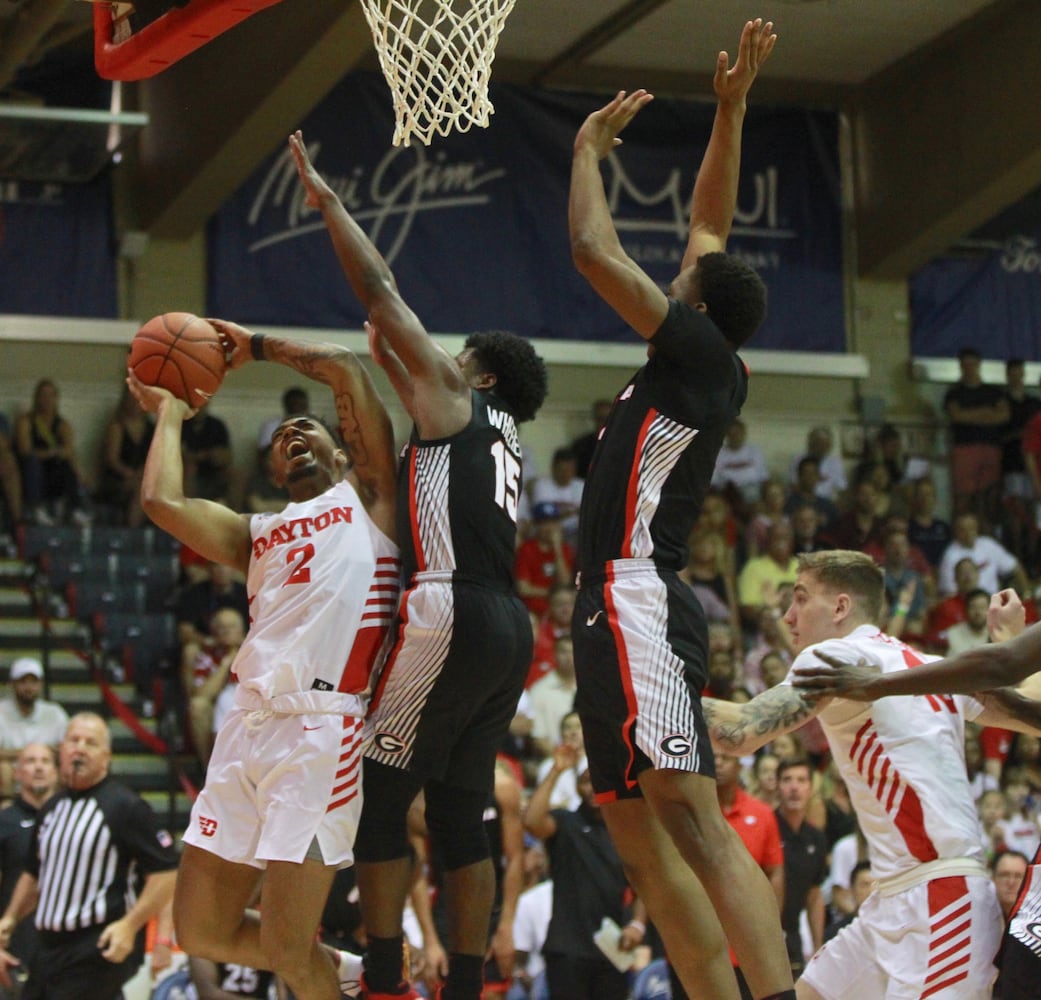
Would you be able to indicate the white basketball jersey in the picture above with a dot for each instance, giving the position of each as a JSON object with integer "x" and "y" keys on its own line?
{"x": 323, "y": 590}
{"x": 903, "y": 760}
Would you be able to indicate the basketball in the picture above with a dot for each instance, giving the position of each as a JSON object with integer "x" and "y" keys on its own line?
{"x": 180, "y": 353}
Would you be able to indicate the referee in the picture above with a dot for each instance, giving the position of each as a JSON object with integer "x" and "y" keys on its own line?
{"x": 92, "y": 844}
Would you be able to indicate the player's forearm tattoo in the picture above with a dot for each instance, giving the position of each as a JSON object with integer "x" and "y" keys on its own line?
{"x": 775, "y": 711}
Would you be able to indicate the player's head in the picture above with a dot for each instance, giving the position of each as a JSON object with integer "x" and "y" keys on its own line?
{"x": 305, "y": 450}
{"x": 730, "y": 291}
{"x": 508, "y": 366}
{"x": 835, "y": 592}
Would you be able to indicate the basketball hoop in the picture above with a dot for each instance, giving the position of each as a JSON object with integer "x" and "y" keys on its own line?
{"x": 437, "y": 61}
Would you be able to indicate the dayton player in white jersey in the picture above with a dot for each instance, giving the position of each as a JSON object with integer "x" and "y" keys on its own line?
{"x": 932, "y": 926}
{"x": 282, "y": 794}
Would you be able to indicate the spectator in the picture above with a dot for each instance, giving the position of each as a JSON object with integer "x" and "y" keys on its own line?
{"x": 562, "y": 487}
{"x": 805, "y": 859}
{"x": 1021, "y": 830}
{"x": 991, "y": 808}
{"x": 924, "y": 529}
{"x": 806, "y": 529}
{"x": 36, "y": 774}
{"x": 206, "y": 452}
{"x": 295, "y": 402}
{"x": 90, "y": 925}
{"x": 981, "y": 780}
{"x": 771, "y": 638}
{"x": 861, "y": 885}
{"x": 740, "y": 466}
{"x": 265, "y": 493}
{"x": 950, "y": 610}
{"x": 44, "y": 441}
{"x": 544, "y": 561}
{"x": 206, "y": 672}
{"x": 708, "y": 573}
{"x": 764, "y": 774}
{"x": 10, "y": 480}
{"x": 127, "y": 437}
{"x": 972, "y": 632}
{"x": 992, "y": 559}
{"x": 804, "y": 491}
{"x": 1008, "y": 868}
{"x": 904, "y": 587}
{"x": 584, "y": 445}
{"x": 761, "y": 581}
{"x": 531, "y": 923}
{"x": 860, "y": 525}
{"x": 903, "y": 470}
{"x": 26, "y": 718}
{"x": 1018, "y": 527}
{"x": 565, "y": 791}
{"x": 554, "y": 624}
{"x": 832, "y": 481}
{"x": 553, "y": 696}
{"x": 773, "y": 508}
{"x": 199, "y": 602}
{"x": 977, "y": 414}
{"x": 588, "y": 885}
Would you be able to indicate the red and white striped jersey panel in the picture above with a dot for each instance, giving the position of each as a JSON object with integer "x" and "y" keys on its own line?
{"x": 429, "y": 508}
{"x": 347, "y": 780}
{"x": 662, "y": 441}
{"x": 903, "y": 760}
{"x": 950, "y": 937}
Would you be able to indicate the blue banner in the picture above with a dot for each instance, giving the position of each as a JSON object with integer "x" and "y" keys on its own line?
{"x": 475, "y": 227}
{"x": 56, "y": 249}
{"x": 992, "y": 303}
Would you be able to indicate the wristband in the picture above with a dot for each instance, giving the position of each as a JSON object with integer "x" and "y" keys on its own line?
{"x": 638, "y": 925}
{"x": 256, "y": 346}
{"x": 168, "y": 942}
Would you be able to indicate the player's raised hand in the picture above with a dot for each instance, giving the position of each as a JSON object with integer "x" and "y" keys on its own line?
{"x": 152, "y": 397}
{"x": 600, "y": 130}
{"x": 757, "y": 42}
{"x": 313, "y": 182}
{"x": 838, "y": 678}
{"x": 236, "y": 340}
{"x": 1006, "y": 616}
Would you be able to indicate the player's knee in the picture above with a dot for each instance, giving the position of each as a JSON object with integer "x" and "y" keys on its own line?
{"x": 455, "y": 819}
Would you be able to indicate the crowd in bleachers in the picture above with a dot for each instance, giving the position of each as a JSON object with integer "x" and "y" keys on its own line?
{"x": 173, "y": 622}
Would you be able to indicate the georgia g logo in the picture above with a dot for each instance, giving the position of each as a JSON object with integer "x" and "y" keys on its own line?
{"x": 389, "y": 743}
{"x": 676, "y": 745}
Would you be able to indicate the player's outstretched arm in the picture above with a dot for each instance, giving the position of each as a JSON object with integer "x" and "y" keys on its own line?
{"x": 364, "y": 423}
{"x": 595, "y": 248}
{"x": 442, "y": 395}
{"x": 742, "y": 729}
{"x": 211, "y": 529}
{"x": 715, "y": 190}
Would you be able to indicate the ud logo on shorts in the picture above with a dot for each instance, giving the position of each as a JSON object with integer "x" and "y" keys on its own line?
{"x": 389, "y": 743}
{"x": 676, "y": 745}
{"x": 207, "y": 826}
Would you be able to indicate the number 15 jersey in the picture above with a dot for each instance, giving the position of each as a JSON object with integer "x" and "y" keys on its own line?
{"x": 457, "y": 498}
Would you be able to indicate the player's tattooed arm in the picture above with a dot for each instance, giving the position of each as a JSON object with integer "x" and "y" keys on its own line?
{"x": 742, "y": 729}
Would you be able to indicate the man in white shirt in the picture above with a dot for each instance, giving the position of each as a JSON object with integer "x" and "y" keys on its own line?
{"x": 992, "y": 559}
{"x": 553, "y": 697}
{"x": 741, "y": 464}
{"x": 26, "y": 718}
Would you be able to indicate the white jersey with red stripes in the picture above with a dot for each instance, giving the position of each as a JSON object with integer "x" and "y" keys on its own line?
{"x": 323, "y": 590}
{"x": 903, "y": 760}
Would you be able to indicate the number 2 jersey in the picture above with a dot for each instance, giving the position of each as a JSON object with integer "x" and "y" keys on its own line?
{"x": 457, "y": 498}
{"x": 903, "y": 760}
{"x": 323, "y": 585}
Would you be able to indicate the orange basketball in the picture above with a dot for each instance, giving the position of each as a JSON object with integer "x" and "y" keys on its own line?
{"x": 181, "y": 353}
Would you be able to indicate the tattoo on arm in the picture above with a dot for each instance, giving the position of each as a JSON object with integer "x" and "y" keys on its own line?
{"x": 776, "y": 711}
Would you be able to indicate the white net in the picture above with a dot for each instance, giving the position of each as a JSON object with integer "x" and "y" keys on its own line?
{"x": 436, "y": 56}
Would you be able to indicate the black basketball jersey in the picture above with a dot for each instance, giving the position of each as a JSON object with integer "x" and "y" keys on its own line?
{"x": 654, "y": 461}
{"x": 457, "y": 498}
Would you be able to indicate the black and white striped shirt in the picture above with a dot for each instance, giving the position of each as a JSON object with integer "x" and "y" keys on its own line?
{"x": 87, "y": 848}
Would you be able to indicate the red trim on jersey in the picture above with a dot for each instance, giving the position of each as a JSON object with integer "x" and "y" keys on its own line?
{"x": 358, "y": 668}
{"x": 352, "y": 737}
{"x": 393, "y": 655}
{"x": 1027, "y": 881}
{"x": 604, "y": 797}
{"x": 625, "y": 674}
{"x": 632, "y": 492}
{"x": 948, "y": 965}
{"x": 413, "y": 518}
{"x": 911, "y": 824}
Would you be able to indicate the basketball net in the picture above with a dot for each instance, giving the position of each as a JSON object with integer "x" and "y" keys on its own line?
{"x": 436, "y": 61}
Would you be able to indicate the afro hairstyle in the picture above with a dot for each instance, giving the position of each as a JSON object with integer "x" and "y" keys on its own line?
{"x": 733, "y": 293}
{"x": 520, "y": 374}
